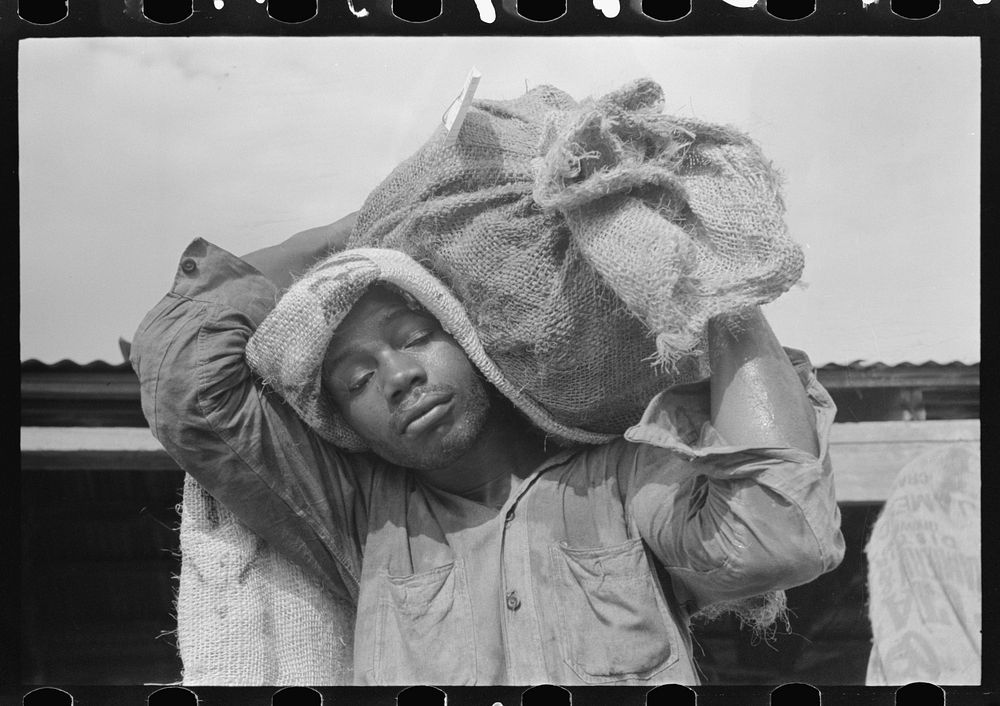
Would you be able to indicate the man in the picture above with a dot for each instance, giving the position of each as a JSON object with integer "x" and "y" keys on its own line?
{"x": 479, "y": 551}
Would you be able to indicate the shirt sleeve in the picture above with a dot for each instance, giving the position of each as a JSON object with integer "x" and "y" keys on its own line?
{"x": 730, "y": 522}
{"x": 242, "y": 443}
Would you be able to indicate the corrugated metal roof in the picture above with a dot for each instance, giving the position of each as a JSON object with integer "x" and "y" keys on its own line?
{"x": 868, "y": 365}
{"x": 68, "y": 366}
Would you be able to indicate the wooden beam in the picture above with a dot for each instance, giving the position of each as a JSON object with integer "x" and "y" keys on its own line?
{"x": 922, "y": 376}
{"x": 81, "y": 398}
{"x": 92, "y": 449}
{"x": 76, "y": 385}
{"x": 866, "y": 456}
{"x": 88, "y": 439}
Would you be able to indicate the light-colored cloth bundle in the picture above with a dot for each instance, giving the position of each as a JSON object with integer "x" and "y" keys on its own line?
{"x": 246, "y": 616}
{"x": 590, "y": 242}
{"x": 925, "y": 573}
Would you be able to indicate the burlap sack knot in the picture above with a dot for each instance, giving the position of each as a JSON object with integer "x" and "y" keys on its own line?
{"x": 683, "y": 220}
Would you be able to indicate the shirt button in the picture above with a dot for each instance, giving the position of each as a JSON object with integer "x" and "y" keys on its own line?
{"x": 189, "y": 265}
{"x": 513, "y": 602}
{"x": 509, "y": 516}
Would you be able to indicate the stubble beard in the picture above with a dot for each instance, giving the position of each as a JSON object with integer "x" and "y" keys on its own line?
{"x": 459, "y": 439}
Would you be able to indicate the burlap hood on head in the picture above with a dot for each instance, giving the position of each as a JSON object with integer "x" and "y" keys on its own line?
{"x": 590, "y": 243}
{"x": 288, "y": 349}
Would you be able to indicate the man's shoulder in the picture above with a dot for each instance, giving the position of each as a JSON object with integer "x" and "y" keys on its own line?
{"x": 585, "y": 464}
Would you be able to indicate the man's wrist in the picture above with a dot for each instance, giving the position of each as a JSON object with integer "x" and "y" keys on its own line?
{"x": 735, "y": 327}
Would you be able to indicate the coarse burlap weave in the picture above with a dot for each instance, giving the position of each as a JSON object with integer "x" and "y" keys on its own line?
{"x": 288, "y": 349}
{"x": 590, "y": 242}
{"x": 246, "y": 616}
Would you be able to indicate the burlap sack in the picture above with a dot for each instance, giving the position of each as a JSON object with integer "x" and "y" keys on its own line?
{"x": 248, "y": 617}
{"x": 591, "y": 242}
{"x": 288, "y": 348}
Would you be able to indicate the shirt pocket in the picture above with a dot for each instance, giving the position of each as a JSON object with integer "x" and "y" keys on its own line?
{"x": 614, "y": 623}
{"x": 423, "y": 629}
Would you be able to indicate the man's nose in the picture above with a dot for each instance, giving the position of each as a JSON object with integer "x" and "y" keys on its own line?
{"x": 401, "y": 373}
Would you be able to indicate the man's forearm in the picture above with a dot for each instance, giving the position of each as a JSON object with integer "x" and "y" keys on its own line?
{"x": 757, "y": 397}
{"x": 282, "y": 263}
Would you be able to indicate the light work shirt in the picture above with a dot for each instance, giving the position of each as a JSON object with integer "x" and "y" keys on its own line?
{"x": 587, "y": 575}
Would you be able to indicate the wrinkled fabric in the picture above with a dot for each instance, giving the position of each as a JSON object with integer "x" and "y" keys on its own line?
{"x": 559, "y": 585}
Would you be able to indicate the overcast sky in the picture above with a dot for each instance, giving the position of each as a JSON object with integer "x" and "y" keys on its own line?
{"x": 130, "y": 148}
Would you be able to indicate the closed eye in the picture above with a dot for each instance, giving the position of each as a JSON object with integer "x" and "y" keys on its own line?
{"x": 418, "y": 337}
{"x": 357, "y": 383}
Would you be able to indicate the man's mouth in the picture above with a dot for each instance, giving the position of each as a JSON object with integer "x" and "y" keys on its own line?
{"x": 425, "y": 413}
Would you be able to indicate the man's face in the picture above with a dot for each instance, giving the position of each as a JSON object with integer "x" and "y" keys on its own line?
{"x": 403, "y": 384}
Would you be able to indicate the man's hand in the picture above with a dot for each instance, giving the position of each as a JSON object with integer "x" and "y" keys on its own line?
{"x": 757, "y": 397}
{"x": 282, "y": 263}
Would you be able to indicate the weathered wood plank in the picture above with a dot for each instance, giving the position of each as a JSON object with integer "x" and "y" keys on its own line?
{"x": 69, "y": 386}
{"x": 939, "y": 430}
{"x": 922, "y": 376}
{"x": 92, "y": 449}
{"x": 866, "y": 455}
{"x": 88, "y": 439}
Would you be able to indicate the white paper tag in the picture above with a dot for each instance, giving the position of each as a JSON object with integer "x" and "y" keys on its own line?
{"x": 455, "y": 116}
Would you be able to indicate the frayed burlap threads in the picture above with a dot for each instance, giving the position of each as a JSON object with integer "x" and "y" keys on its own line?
{"x": 246, "y": 616}
{"x": 762, "y": 614}
{"x": 587, "y": 240}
